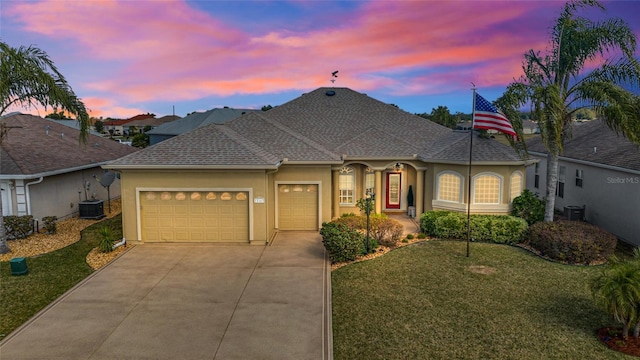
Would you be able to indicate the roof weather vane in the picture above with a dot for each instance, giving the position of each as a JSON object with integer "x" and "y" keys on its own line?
{"x": 333, "y": 76}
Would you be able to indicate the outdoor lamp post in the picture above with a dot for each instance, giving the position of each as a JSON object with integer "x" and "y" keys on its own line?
{"x": 369, "y": 200}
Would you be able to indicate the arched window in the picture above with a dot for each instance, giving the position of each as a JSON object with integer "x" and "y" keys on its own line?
{"x": 347, "y": 185}
{"x": 487, "y": 189}
{"x": 449, "y": 187}
{"x": 515, "y": 185}
{"x": 370, "y": 179}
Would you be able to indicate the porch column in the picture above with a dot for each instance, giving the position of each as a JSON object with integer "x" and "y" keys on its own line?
{"x": 419, "y": 193}
{"x": 378, "y": 191}
{"x": 335, "y": 191}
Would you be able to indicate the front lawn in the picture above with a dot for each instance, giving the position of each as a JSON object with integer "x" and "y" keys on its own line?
{"x": 429, "y": 301}
{"x": 50, "y": 275}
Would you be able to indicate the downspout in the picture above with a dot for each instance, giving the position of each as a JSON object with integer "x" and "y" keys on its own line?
{"x": 118, "y": 244}
{"x": 266, "y": 187}
{"x": 28, "y": 193}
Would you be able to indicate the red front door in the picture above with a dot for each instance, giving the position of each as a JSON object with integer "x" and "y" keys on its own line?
{"x": 393, "y": 190}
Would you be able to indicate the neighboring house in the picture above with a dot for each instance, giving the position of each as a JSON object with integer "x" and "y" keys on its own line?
{"x": 119, "y": 127}
{"x": 73, "y": 124}
{"x": 44, "y": 170}
{"x": 151, "y": 122}
{"x": 599, "y": 170}
{"x": 195, "y": 120}
{"x": 303, "y": 163}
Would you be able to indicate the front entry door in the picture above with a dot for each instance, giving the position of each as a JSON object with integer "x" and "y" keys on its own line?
{"x": 393, "y": 190}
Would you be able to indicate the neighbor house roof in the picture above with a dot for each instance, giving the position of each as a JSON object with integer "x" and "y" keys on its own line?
{"x": 198, "y": 119}
{"x": 153, "y": 121}
{"x": 327, "y": 125}
{"x": 34, "y": 146}
{"x": 594, "y": 142}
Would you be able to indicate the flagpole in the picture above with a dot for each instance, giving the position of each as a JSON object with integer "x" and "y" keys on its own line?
{"x": 473, "y": 114}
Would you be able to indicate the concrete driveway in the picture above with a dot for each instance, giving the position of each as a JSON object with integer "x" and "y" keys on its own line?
{"x": 186, "y": 301}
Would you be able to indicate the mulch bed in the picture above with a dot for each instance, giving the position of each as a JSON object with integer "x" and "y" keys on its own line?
{"x": 612, "y": 337}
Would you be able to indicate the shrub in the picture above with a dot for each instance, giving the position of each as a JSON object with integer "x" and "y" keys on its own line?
{"x": 410, "y": 236}
{"x": 49, "y": 223}
{"x": 422, "y": 236}
{"x": 18, "y": 227}
{"x": 386, "y": 231}
{"x": 353, "y": 222}
{"x": 342, "y": 242}
{"x": 451, "y": 226}
{"x": 106, "y": 240}
{"x": 574, "y": 242}
{"x": 428, "y": 219}
{"x": 529, "y": 207}
{"x": 493, "y": 228}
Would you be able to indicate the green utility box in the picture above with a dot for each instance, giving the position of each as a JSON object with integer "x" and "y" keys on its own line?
{"x": 19, "y": 266}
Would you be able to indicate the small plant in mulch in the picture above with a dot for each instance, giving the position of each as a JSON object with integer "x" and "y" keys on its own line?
{"x": 49, "y": 223}
{"x": 612, "y": 337}
{"x": 106, "y": 239}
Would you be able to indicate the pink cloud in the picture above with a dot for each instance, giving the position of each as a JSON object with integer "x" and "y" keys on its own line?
{"x": 170, "y": 51}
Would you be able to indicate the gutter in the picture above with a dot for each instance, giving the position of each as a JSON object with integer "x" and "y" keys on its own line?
{"x": 28, "y": 193}
{"x": 589, "y": 163}
{"x": 50, "y": 173}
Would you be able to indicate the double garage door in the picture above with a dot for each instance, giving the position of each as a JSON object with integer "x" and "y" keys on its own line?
{"x": 194, "y": 216}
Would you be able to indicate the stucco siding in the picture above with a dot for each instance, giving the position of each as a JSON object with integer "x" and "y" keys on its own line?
{"x": 611, "y": 197}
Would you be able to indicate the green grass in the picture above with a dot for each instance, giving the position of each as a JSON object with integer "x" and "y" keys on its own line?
{"x": 424, "y": 302}
{"x": 50, "y": 275}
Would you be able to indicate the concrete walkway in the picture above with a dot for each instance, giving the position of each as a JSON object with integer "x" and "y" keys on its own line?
{"x": 173, "y": 301}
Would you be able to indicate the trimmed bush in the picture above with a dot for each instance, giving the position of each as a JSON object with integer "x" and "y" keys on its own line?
{"x": 492, "y": 228}
{"x": 529, "y": 207}
{"x": 428, "y": 220}
{"x": 386, "y": 231}
{"x": 49, "y": 223}
{"x": 342, "y": 242}
{"x": 18, "y": 227}
{"x": 574, "y": 242}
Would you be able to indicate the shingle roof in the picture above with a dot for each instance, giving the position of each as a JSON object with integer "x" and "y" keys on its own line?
{"x": 29, "y": 150}
{"x": 195, "y": 120}
{"x": 317, "y": 127}
{"x": 610, "y": 148}
{"x": 153, "y": 121}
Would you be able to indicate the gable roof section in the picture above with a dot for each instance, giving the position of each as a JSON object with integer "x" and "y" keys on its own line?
{"x": 153, "y": 121}
{"x": 610, "y": 148}
{"x": 39, "y": 146}
{"x": 317, "y": 128}
{"x": 198, "y": 119}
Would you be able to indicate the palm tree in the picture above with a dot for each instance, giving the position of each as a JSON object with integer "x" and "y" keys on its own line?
{"x": 617, "y": 291}
{"x": 557, "y": 85}
{"x": 29, "y": 78}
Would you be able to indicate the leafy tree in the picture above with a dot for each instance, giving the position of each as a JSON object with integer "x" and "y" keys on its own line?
{"x": 29, "y": 78}
{"x": 442, "y": 116}
{"x": 133, "y": 130}
{"x": 140, "y": 140}
{"x": 99, "y": 126}
{"x": 557, "y": 83}
{"x": 267, "y": 108}
{"x": 57, "y": 116}
{"x": 146, "y": 128}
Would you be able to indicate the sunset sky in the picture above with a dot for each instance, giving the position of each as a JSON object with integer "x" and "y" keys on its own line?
{"x": 129, "y": 57}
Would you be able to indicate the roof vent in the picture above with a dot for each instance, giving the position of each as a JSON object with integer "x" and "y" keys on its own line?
{"x": 330, "y": 93}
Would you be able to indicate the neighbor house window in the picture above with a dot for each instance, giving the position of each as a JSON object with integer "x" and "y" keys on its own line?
{"x": 536, "y": 180}
{"x": 579, "y": 178}
{"x": 347, "y": 185}
{"x": 486, "y": 189}
{"x": 449, "y": 187}
{"x": 562, "y": 172}
{"x": 515, "y": 185}
{"x": 369, "y": 179}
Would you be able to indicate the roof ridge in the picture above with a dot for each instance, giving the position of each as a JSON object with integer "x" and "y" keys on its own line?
{"x": 299, "y": 136}
{"x": 264, "y": 155}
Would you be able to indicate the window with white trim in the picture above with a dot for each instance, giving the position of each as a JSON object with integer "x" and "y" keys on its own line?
{"x": 347, "y": 185}
{"x": 536, "y": 181}
{"x": 486, "y": 189}
{"x": 515, "y": 185}
{"x": 562, "y": 172}
{"x": 579, "y": 175}
{"x": 449, "y": 187}
{"x": 369, "y": 179}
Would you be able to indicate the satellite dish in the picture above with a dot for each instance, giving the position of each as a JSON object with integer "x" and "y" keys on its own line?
{"x": 107, "y": 178}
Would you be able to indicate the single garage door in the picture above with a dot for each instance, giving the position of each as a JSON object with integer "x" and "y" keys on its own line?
{"x": 195, "y": 216}
{"x": 298, "y": 206}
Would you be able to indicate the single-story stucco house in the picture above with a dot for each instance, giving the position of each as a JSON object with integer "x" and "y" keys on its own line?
{"x": 599, "y": 171}
{"x": 304, "y": 163}
{"x": 46, "y": 171}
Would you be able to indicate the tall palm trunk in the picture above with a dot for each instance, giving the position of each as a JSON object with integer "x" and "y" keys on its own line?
{"x": 552, "y": 183}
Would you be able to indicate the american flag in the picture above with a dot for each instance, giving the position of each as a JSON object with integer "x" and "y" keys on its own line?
{"x": 487, "y": 116}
